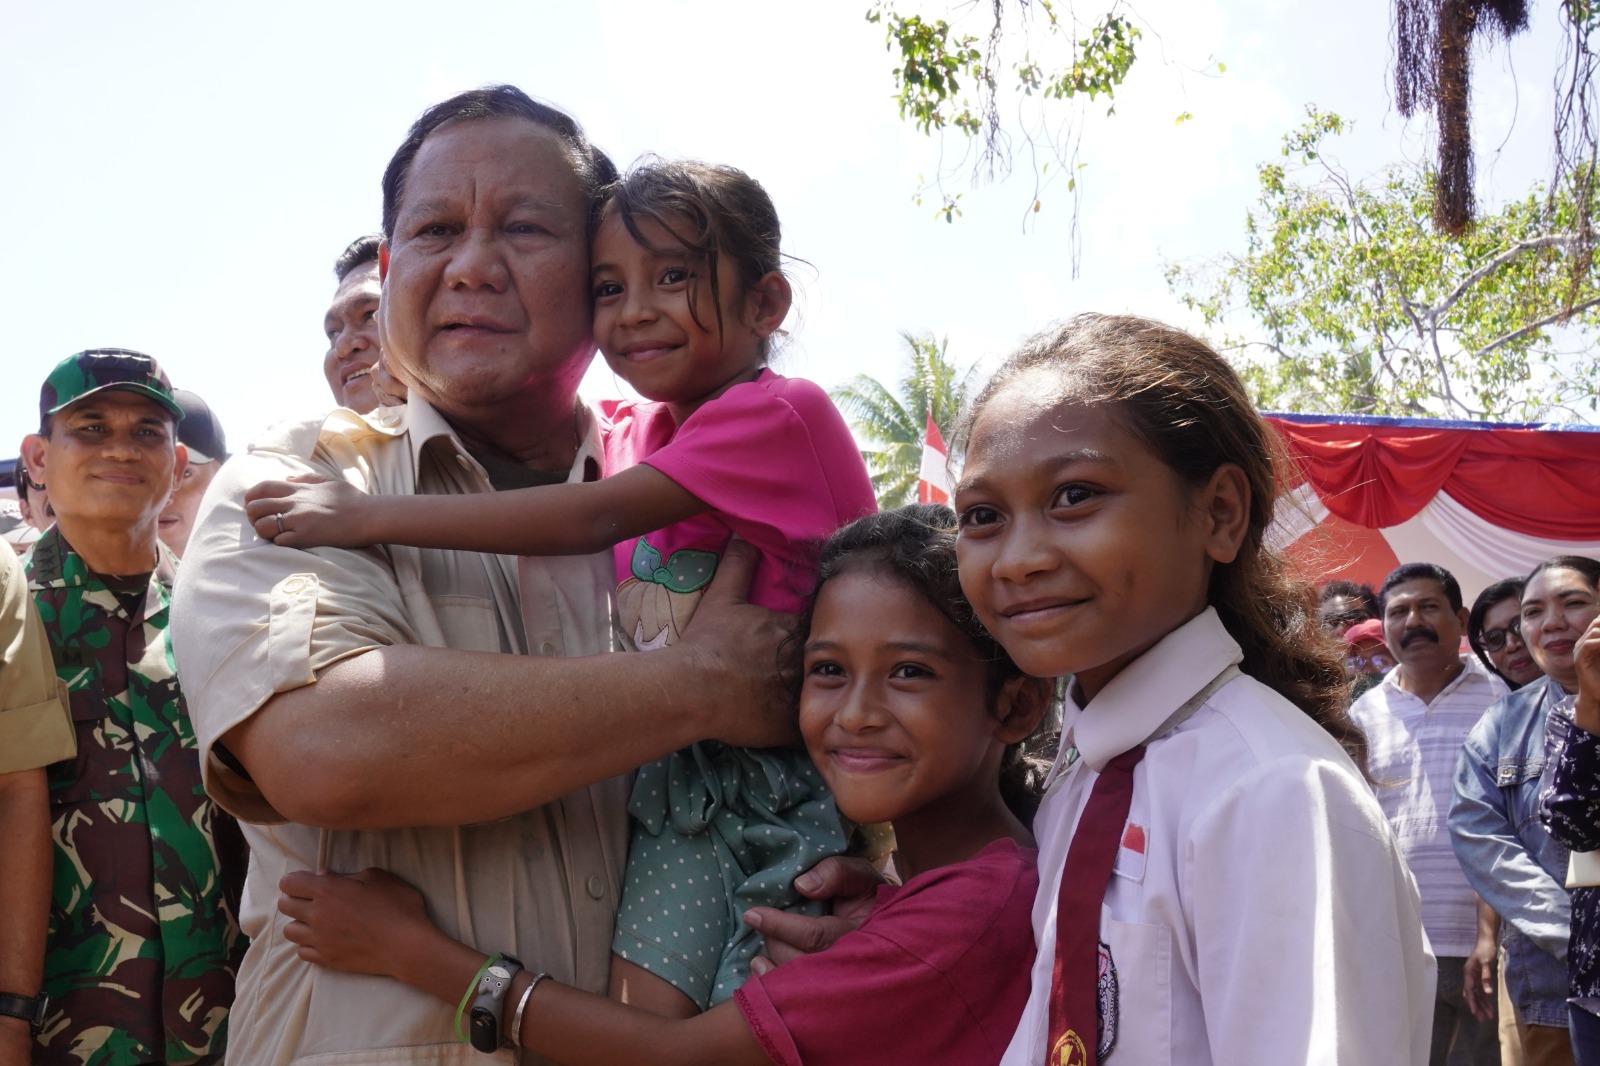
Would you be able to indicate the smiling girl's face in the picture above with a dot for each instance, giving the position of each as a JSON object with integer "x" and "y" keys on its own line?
{"x": 658, "y": 323}
{"x": 895, "y": 704}
{"x": 1079, "y": 548}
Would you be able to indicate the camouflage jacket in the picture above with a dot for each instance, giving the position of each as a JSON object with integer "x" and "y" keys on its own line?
{"x": 143, "y": 949}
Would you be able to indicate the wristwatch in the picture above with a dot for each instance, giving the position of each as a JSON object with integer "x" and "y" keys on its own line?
{"x": 486, "y": 1024}
{"x": 30, "y": 1009}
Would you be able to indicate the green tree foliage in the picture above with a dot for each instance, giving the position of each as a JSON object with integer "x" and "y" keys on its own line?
{"x": 1352, "y": 302}
{"x": 891, "y": 421}
{"x": 1036, "y": 58}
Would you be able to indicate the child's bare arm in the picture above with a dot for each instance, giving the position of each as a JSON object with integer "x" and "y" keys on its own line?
{"x": 572, "y": 519}
{"x": 373, "y": 922}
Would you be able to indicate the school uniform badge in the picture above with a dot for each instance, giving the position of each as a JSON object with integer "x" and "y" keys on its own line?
{"x": 1105, "y": 994}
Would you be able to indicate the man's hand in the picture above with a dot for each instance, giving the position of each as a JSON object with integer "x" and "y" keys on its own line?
{"x": 736, "y": 645}
{"x": 851, "y": 884}
{"x": 309, "y": 511}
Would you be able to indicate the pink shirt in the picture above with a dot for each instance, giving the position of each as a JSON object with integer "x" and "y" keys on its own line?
{"x": 773, "y": 461}
{"x": 937, "y": 974}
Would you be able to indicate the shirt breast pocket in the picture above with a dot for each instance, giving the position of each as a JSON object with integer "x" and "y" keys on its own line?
{"x": 91, "y": 775}
{"x": 467, "y": 622}
{"x": 1518, "y": 780}
{"x": 1137, "y": 1005}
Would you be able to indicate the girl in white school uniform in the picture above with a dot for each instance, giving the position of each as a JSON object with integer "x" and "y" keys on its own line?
{"x": 1243, "y": 901}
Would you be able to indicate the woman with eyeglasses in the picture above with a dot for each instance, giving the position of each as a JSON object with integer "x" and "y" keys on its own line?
{"x": 1494, "y": 633}
{"x": 1516, "y": 865}
{"x": 1561, "y": 618}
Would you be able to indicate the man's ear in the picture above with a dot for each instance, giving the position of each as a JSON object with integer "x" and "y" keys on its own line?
{"x": 383, "y": 260}
{"x": 1225, "y": 503}
{"x": 34, "y": 448}
{"x": 1020, "y": 707}
{"x": 768, "y": 303}
{"x": 180, "y": 463}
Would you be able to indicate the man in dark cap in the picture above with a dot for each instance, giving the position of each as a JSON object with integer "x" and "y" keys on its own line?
{"x": 200, "y": 432}
{"x": 142, "y": 948}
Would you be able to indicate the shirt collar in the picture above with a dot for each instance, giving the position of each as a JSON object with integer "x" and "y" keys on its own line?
{"x": 425, "y": 424}
{"x": 1140, "y": 698}
{"x": 1471, "y": 668}
{"x": 54, "y": 564}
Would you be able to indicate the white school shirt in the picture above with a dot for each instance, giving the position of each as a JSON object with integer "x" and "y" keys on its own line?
{"x": 1412, "y": 748}
{"x": 1269, "y": 917}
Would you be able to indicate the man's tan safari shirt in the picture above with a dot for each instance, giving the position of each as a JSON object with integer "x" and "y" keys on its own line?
{"x": 35, "y": 729}
{"x": 255, "y": 619}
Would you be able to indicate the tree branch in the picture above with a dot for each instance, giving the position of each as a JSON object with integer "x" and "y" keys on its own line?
{"x": 1517, "y": 334}
{"x": 1549, "y": 240}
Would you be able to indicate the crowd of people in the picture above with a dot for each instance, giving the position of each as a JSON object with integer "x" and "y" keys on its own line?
{"x": 471, "y": 719}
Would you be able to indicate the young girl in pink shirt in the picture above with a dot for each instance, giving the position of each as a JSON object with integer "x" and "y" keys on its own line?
{"x": 913, "y": 715}
{"x": 688, "y": 290}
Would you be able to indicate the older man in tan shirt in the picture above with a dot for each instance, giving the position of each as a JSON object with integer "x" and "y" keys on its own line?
{"x": 366, "y": 693}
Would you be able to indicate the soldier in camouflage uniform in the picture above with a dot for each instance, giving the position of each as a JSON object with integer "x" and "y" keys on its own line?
{"x": 142, "y": 946}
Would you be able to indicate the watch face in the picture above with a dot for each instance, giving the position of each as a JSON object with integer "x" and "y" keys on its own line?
{"x": 499, "y": 973}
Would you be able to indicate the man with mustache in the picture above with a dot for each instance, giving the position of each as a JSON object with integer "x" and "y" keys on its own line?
{"x": 1416, "y": 720}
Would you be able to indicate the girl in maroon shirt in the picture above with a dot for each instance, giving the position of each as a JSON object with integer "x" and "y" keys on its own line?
{"x": 914, "y": 715}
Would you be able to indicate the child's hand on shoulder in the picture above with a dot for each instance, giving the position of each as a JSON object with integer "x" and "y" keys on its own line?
{"x": 309, "y": 511}
{"x": 367, "y": 922}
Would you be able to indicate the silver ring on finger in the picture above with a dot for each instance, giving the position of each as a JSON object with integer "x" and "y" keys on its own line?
{"x": 279, "y": 519}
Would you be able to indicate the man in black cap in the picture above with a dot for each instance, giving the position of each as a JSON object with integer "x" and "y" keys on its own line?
{"x": 201, "y": 433}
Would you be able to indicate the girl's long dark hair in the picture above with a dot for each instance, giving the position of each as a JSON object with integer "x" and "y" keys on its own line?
{"x": 916, "y": 546}
{"x": 1189, "y": 407}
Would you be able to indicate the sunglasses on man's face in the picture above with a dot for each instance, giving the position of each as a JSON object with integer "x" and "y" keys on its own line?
{"x": 1495, "y": 639}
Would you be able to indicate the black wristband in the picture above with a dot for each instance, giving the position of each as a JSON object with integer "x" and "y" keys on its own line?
{"x": 30, "y": 1009}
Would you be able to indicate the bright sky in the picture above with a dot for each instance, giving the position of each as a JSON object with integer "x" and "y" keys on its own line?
{"x": 182, "y": 175}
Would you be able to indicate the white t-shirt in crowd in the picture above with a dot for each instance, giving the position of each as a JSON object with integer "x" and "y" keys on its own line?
{"x": 1412, "y": 748}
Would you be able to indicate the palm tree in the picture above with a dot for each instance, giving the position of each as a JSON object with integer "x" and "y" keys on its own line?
{"x": 892, "y": 425}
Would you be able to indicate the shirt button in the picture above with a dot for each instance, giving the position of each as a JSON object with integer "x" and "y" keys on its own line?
{"x": 596, "y": 887}
{"x": 547, "y": 648}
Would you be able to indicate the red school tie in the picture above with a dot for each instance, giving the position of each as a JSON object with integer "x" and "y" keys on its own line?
{"x": 1074, "y": 1014}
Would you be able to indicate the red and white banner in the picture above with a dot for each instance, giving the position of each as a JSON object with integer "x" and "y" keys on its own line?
{"x": 1484, "y": 500}
{"x": 934, "y": 486}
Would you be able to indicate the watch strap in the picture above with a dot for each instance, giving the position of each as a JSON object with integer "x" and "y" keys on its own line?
{"x": 30, "y": 1009}
{"x": 487, "y": 1020}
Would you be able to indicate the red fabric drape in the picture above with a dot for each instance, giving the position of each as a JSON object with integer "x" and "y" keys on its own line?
{"x": 1539, "y": 482}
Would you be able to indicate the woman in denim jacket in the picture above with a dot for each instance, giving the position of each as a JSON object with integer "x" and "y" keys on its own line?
{"x": 1569, "y": 625}
{"x": 1512, "y": 861}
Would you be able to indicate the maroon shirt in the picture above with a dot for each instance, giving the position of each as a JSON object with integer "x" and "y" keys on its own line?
{"x": 938, "y": 974}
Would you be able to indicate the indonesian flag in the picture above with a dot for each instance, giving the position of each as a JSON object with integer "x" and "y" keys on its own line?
{"x": 934, "y": 486}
